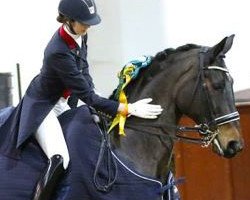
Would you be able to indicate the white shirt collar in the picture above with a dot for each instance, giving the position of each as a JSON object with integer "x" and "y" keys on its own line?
{"x": 77, "y": 38}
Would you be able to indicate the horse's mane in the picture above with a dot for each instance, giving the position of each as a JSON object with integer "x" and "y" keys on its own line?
{"x": 163, "y": 55}
{"x": 160, "y": 56}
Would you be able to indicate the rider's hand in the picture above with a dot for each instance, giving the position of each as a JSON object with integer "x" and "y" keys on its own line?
{"x": 143, "y": 109}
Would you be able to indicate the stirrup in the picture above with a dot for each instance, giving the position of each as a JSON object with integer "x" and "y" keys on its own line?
{"x": 50, "y": 178}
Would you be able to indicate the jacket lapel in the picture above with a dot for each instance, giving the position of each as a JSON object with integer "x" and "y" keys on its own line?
{"x": 73, "y": 46}
{"x": 75, "y": 49}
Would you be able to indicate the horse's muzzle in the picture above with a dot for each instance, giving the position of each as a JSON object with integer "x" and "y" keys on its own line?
{"x": 232, "y": 149}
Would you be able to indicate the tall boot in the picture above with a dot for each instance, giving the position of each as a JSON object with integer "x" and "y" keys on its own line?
{"x": 50, "y": 178}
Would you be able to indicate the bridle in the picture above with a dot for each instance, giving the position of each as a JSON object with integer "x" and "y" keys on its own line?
{"x": 208, "y": 130}
{"x": 211, "y": 128}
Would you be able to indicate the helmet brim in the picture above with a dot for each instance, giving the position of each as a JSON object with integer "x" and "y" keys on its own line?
{"x": 93, "y": 21}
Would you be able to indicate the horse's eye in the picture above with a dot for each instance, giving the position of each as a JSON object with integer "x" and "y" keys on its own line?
{"x": 219, "y": 85}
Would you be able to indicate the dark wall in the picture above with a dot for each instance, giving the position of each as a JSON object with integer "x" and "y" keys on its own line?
{"x": 210, "y": 177}
{"x": 5, "y": 90}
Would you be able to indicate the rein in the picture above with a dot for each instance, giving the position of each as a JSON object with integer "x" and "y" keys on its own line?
{"x": 105, "y": 156}
{"x": 206, "y": 135}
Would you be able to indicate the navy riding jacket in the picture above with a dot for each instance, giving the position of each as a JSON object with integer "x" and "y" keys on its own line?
{"x": 65, "y": 68}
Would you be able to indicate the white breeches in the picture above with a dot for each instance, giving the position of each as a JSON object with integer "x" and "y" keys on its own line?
{"x": 50, "y": 136}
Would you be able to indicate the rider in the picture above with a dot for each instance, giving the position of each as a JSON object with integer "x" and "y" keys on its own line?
{"x": 64, "y": 72}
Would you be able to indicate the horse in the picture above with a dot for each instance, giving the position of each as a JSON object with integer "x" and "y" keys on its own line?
{"x": 191, "y": 80}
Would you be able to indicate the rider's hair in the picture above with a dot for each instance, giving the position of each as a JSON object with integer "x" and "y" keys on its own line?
{"x": 64, "y": 19}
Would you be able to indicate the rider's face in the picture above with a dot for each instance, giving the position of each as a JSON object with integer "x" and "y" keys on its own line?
{"x": 79, "y": 28}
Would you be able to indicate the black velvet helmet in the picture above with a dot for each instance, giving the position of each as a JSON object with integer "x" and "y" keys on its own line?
{"x": 83, "y": 11}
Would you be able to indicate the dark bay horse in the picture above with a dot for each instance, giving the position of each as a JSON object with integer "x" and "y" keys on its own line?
{"x": 191, "y": 80}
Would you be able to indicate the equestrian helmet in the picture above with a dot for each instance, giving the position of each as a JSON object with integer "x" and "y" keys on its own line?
{"x": 83, "y": 11}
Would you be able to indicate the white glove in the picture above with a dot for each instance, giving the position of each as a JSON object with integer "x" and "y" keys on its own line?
{"x": 143, "y": 109}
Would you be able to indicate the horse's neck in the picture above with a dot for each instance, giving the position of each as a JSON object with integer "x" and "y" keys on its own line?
{"x": 145, "y": 148}
{"x": 158, "y": 84}
{"x": 149, "y": 153}
{"x": 145, "y": 153}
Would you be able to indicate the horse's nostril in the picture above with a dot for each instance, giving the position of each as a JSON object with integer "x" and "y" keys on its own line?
{"x": 235, "y": 145}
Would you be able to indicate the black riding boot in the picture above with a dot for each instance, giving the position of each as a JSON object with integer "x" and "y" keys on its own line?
{"x": 50, "y": 178}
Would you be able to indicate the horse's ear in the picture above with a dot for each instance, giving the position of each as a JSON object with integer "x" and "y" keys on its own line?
{"x": 222, "y": 47}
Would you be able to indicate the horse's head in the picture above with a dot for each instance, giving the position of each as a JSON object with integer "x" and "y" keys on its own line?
{"x": 211, "y": 102}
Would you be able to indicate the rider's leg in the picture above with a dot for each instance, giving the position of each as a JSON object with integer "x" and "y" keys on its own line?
{"x": 50, "y": 137}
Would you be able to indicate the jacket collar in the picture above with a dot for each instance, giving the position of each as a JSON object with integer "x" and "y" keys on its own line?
{"x": 77, "y": 38}
{"x": 67, "y": 38}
